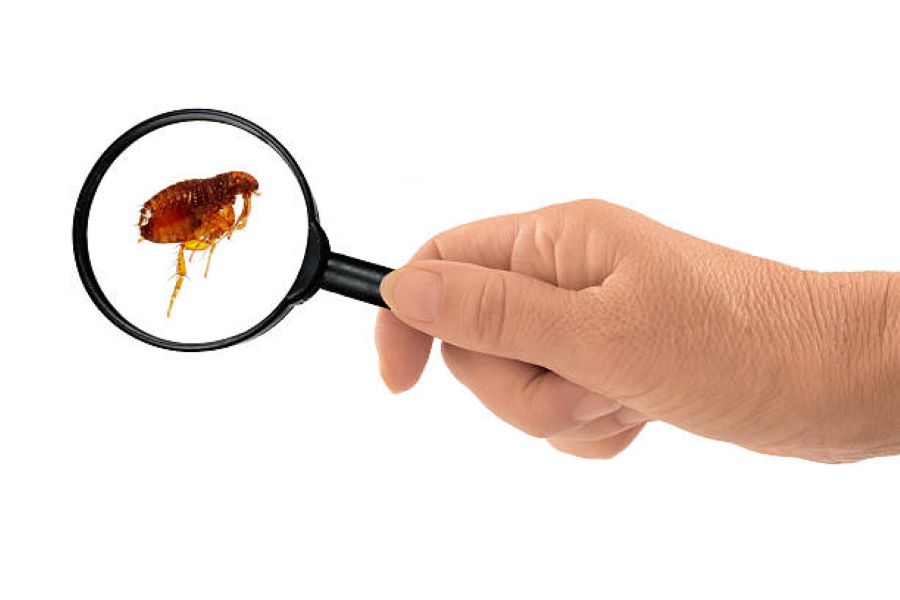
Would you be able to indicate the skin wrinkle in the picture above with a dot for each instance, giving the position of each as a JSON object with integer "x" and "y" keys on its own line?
{"x": 555, "y": 255}
{"x": 850, "y": 347}
{"x": 756, "y": 305}
{"x": 512, "y": 252}
{"x": 885, "y": 304}
{"x": 751, "y": 315}
{"x": 604, "y": 426}
{"x": 480, "y": 313}
{"x": 528, "y": 393}
{"x": 821, "y": 337}
{"x": 542, "y": 257}
{"x": 784, "y": 332}
{"x": 845, "y": 341}
{"x": 518, "y": 255}
{"x": 813, "y": 305}
{"x": 570, "y": 318}
{"x": 593, "y": 256}
{"x": 532, "y": 382}
{"x": 707, "y": 302}
{"x": 494, "y": 308}
{"x": 435, "y": 242}
{"x": 564, "y": 278}
{"x": 794, "y": 334}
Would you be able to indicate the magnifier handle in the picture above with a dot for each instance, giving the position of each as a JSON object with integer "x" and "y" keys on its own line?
{"x": 354, "y": 278}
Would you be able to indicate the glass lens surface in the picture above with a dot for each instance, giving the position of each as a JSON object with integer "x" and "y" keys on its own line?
{"x": 186, "y": 198}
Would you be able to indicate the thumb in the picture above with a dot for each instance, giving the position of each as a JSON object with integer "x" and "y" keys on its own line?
{"x": 487, "y": 310}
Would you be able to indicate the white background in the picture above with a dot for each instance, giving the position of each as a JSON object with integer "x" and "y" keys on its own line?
{"x": 282, "y": 468}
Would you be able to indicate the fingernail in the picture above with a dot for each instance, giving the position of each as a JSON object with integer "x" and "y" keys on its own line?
{"x": 413, "y": 293}
{"x": 593, "y": 406}
{"x": 629, "y": 416}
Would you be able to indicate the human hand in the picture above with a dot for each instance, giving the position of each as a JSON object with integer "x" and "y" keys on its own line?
{"x": 580, "y": 322}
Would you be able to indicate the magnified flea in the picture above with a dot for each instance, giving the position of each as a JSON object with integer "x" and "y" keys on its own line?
{"x": 196, "y": 214}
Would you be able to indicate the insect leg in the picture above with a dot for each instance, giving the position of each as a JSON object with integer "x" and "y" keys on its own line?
{"x": 180, "y": 271}
{"x": 220, "y": 225}
{"x": 209, "y": 258}
{"x": 195, "y": 245}
{"x": 245, "y": 212}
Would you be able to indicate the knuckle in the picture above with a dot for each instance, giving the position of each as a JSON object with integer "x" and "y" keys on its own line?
{"x": 525, "y": 419}
{"x": 612, "y": 215}
{"x": 587, "y": 204}
{"x": 601, "y": 449}
{"x": 535, "y": 429}
{"x": 592, "y": 450}
{"x": 607, "y": 452}
{"x": 429, "y": 250}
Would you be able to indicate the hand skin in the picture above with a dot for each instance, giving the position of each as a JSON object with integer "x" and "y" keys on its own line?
{"x": 580, "y": 322}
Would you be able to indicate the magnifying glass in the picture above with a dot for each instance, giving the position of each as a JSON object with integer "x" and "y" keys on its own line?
{"x": 196, "y": 230}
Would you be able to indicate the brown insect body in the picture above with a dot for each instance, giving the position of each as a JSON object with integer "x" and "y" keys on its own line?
{"x": 186, "y": 210}
{"x": 197, "y": 214}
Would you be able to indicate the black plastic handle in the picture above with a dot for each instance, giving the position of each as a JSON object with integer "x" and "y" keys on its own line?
{"x": 354, "y": 278}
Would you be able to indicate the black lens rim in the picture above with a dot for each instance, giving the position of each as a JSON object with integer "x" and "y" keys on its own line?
{"x": 308, "y": 278}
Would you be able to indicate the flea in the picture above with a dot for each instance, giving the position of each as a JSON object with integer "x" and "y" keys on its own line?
{"x": 196, "y": 214}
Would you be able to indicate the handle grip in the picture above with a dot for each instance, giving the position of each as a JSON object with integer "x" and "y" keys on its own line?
{"x": 354, "y": 278}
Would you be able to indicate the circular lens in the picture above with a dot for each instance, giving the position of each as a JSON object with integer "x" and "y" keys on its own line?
{"x": 197, "y": 231}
